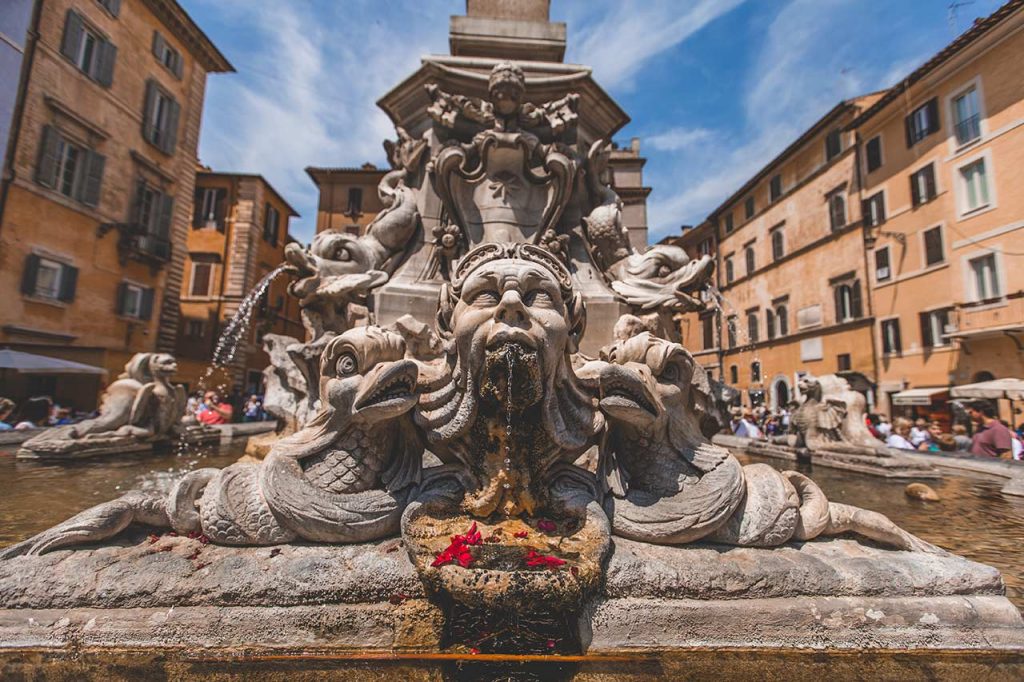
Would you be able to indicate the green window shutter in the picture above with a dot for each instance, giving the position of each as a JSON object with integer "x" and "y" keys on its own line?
{"x": 68, "y": 284}
{"x": 158, "y": 46}
{"x": 122, "y": 289}
{"x": 103, "y": 66}
{"x": 73, "y": 30}
{"x": 163, "y": 220}
{"x": 219, "y": 211}
{"x": 28, "y": 277}
{"x": 93, "y": 178}
{"x": 858, "y": 311}
{"x": 146, "y": 304}
{"x": 179, "y": 64}
{"x": 933, "y": 115}
{"x": 170, "y": 133}
{"x": 49, "y": 157}
{"x": 198, "y": 219}
{"x": 148, "y": 130}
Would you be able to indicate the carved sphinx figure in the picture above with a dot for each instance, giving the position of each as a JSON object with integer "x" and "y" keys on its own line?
{"x": 345, "y": 477}
{"x": 831, "y": 417}
{"x": 142, "y": 405}
{"x": 669, "y": 485}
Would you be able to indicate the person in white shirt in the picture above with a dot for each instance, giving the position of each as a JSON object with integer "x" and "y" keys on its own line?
{"x": 919, "y": 433}
{"x": 900, "y": 436}
{"x": 883, "y": 427}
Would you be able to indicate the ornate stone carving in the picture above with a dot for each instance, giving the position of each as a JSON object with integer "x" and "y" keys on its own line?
{"x": 831, "y": 416}
{"x": 140, "y": 408}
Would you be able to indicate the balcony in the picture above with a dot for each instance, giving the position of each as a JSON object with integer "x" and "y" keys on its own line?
{"x": 136, "y": 243}
{"x": 990, "y": 318}
{"x": 968, "y": 130}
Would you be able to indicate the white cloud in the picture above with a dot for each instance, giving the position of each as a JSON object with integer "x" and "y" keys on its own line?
{"x": 677, "y": 139}
{"x": 617, "y": 38}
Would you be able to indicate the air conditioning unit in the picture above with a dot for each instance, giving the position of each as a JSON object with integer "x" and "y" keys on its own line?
{"x": 882, "y": 273}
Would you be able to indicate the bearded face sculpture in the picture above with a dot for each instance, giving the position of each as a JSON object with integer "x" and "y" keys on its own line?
{"x": 509, "y": 405}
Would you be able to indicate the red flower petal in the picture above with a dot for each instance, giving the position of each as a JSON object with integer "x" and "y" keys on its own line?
{"x": 535, "y": 560}
{"x": 522, "y": 534}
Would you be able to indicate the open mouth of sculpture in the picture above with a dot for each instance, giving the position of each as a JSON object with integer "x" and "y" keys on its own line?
{"x": 619, "y": 395}
{"x": 396, "y": 387}
{"x": 624, "y": 392}
{"x": 512, "y": 375}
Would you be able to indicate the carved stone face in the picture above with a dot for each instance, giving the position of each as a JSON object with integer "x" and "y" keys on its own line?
{"x": 163, "y": 365}
{"x": 364, "y": 375}
{"x": 506, "y": 87}
{"x": 809, "y": 386}
{"x": 509, "y": 304}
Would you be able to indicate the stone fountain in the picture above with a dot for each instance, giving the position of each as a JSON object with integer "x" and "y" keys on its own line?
{"x": 831, "y": 432}
{"x": 510, "y": 465}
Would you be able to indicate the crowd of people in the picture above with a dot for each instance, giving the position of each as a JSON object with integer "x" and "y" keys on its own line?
{"x": 988, "y": 437}
{"x": 209, "y": 408}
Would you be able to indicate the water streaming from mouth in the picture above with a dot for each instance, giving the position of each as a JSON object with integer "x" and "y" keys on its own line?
{"x": 734, "y": 331}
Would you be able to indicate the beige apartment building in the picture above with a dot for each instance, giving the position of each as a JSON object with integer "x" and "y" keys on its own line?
{"x": 943, "y": 169}
{"x": 885, "y": 243}
{"x": 98, "y": 185}
{"x": 238, "y": 233}
{"x": 348, "y": 197}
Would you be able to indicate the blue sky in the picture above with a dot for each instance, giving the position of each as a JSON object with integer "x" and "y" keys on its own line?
{"x": 715, "y": 88}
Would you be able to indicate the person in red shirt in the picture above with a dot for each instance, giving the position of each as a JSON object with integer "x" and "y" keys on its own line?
{"x": 991, "y": 439}
{"x": 213, "y": 411}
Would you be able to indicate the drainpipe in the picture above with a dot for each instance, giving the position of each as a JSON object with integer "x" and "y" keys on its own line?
{"x": 868, "y": 289}
{"x": 28, "y": 58}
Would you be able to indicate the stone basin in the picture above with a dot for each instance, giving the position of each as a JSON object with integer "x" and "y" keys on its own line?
{"x": 175, "y": 593}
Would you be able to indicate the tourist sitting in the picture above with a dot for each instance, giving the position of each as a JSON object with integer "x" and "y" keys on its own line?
{"x": 1016, "y": 446}
{"x": 919, "y": 432}
{"x": 253, "y": 411}
{"x": 35, "y": 413}
{"x": 746, "y": 428}
{"x": 991, "y": 439}
{"x": 6, "y": 408}
{"x": 963, "y": 441}
{"x": 900, "y": 436}
{"x": 883, "y": 427}
{"x": 213, "y": 411}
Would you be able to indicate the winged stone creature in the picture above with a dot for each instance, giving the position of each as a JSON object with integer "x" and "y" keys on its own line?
{"x": 345, "y": 477}
{"x": 831, "y": 417}
{"x": 668, "y": 485}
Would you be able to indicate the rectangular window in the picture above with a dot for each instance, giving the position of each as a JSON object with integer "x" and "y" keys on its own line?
{"x": 93, "y": 54}
{"x": 731, "y": 324}
{"x": 728, "y": 223}
{"x": 833, "y": 145}
{"x": 778, "y": 244}
{"x": 755, "y": 372}
{"x": 749, "y": 208}
{"x": 152, "y": 214}
{"x": 134, "y": 301}
{"x": 708, "y": 328}
{"x": 837, "y": 210}
{"x": 933, "y": 253}
{"x": 704, "y": 248}
{"x": 775, "y": 187}
{"x": 195, "y": 329}
{"x": 271, "y": 225}
{"x": 874, "y": 209}
{"x": 355, "y": 201}
{"x": 922, "y": 122}
{"x": 843, "y": 362}
{"x": 48, "y": 278}
{"x": 69, "y": 168}
{"x": 848, "y": 301}
{"x": 752, "y": 326}
{"x": 209, "y": 208}
{"x": 933, "y": 328}
{"x": 975, "y": 186}
{"x": 966, "y": 117}
{"x": 883, "y": 268}
{"x": 734, "y": 374}
{"x": 922, "y": 185}
{"x": 874, "y": 153}
{"x": 730, "y": 271}
{"x": 160, "y": 118}
{"x": 985, "y": 277}
{"x": 169, "y": 57}
{"x": 891, "y": 342}
{"x": 750, "y": 257}
{"x": 202, "y": 278}
{"x": 769, "y": 323}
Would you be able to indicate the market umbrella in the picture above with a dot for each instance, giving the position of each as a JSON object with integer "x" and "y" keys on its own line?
{"x": 30, "y": 363}
{"x": 1008, "y": 388}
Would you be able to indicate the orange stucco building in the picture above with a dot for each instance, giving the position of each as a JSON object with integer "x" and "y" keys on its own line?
{"x": 98, "y": 184}
{"x": 884, "y": 243}
{"x": 237, "y": 236}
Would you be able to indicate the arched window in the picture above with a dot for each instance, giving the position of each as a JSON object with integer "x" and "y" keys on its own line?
{"x": 755, "y": 372}
{"x": 778, "y": 245}
{"x": 734, "y": 374}
{"x": 752, "y": 327}
{"x": 769, "y": 323}
{"x": 782, "y": 320}
{"x": 983, "y": 376}
{"x": 751, "y": 259}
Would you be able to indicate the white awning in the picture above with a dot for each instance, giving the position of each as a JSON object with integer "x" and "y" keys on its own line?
{"x": 30, "y": 363}
{"x": 1012, "y": 389}
{"x": 918, "y": 396}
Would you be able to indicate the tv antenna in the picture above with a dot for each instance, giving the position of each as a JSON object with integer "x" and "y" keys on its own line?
{"x": 953, "y": 18}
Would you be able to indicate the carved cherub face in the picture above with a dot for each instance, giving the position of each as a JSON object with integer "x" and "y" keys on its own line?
{"x": 163, "y": 365}
{"x": 510, "y": 301}
{"x": 364, "y": 375}
{"x": 506, "y": 88}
